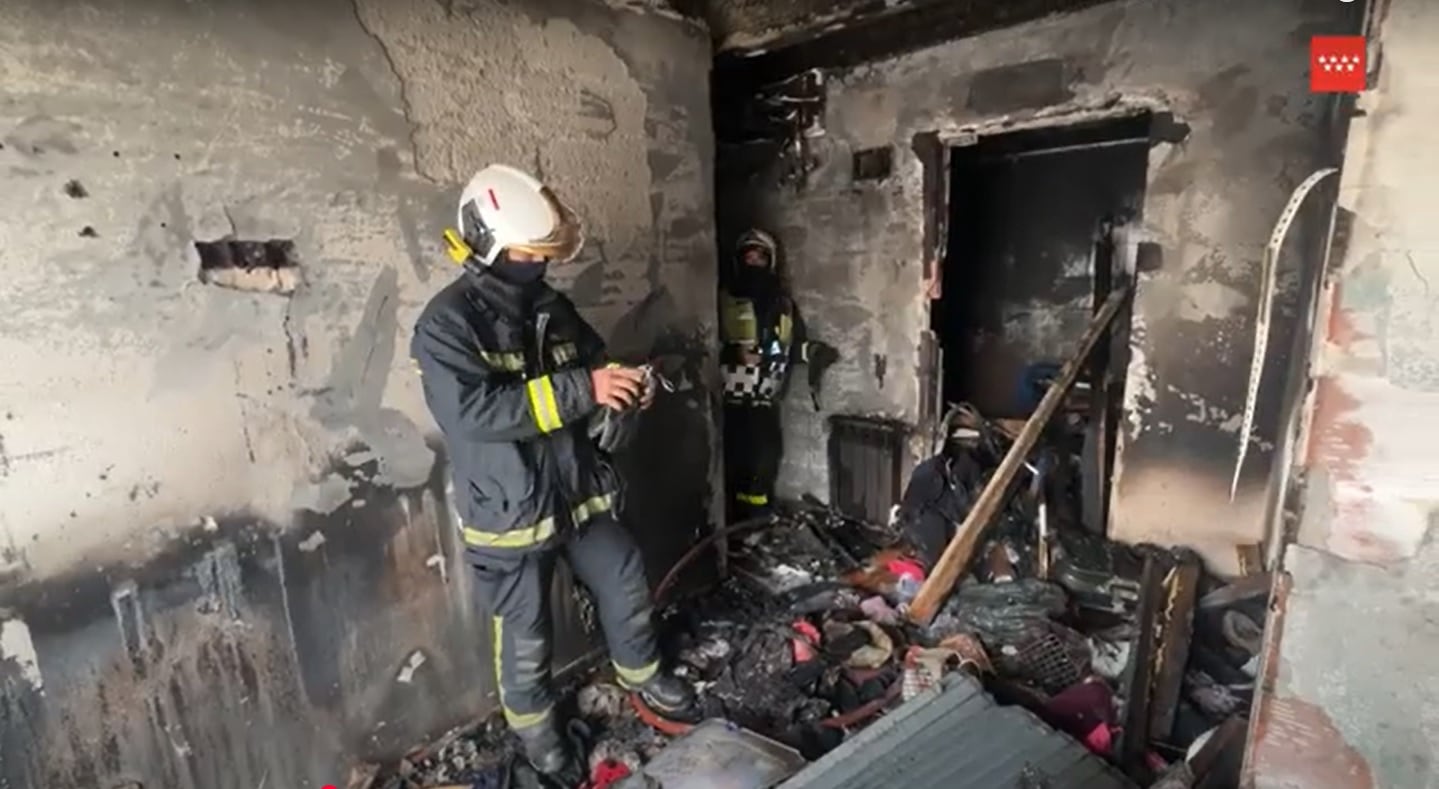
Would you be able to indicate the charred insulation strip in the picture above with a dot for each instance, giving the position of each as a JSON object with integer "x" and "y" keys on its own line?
{"x": 258, "y": 266}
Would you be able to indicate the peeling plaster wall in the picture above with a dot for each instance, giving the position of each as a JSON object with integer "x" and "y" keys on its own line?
{"x": 1236, "y": 74}
{"x": 223, "y": 520}
{"x": 1363, "y": 571}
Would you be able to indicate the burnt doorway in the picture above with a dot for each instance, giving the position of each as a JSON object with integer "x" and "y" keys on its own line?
{"x": 1031, "y": 222}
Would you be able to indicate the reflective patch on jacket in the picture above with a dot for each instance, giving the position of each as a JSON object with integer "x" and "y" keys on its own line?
{"x": 510, "y": 391}
{"x": 756, "y": 363}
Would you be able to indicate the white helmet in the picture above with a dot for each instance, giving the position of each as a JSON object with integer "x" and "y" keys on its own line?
{"x": 505, "y": 208}
{"x": 754, "y": 238}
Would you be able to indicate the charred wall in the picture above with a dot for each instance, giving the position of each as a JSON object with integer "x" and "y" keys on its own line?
{"x": 1024, "y": 213}
{"x": 225, "y": 551}
{"x": 1230, "y": 80}
{"x": 1347, "y": 693}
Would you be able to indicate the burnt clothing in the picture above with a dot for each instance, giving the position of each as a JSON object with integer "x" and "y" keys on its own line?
{"x": 753, "y": 447}
{"x": 516, "y": 592}
{"x": 506, "y": 369}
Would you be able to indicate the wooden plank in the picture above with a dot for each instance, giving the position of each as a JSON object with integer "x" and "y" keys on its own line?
{"x": 1138, "y": 677}
{"x": 1177, "y": 630}
{"x": 960, "y": 551}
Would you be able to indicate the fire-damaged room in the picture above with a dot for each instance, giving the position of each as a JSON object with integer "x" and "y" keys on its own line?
{"x": 402, "y": 394}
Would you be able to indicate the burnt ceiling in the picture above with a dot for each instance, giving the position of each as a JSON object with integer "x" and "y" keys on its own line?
{"x": 752, "y": 27}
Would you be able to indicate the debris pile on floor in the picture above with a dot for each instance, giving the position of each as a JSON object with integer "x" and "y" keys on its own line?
{"x": 1132, "y": 651}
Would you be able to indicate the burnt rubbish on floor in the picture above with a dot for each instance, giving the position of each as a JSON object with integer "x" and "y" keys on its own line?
{"x": 1134, "y": 653}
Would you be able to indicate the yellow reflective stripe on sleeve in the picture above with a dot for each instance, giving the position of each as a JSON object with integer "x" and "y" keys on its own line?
{"x": 508, "y": 361}
{"x": 633, "y": 677}
{"x": 542, "y": 404}
{"x": 589, "y": 509}
{"x": 517, "y": 720}
{"x": 565, "y": 352}
{"x": 515, "y": 538}
{"x": 756, "y": 499}
{"x": 786, "y": 329}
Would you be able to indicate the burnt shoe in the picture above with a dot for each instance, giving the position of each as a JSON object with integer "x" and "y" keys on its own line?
{"x": 550, "y": 754}
{"x": 666, "y": 694}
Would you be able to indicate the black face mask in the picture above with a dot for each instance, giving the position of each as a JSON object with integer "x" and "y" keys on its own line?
{"x": 756, "y": 282}
{"x": 522, "y": 274}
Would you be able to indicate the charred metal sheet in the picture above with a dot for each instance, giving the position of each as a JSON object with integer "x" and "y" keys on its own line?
{"x": 958, "y": 738}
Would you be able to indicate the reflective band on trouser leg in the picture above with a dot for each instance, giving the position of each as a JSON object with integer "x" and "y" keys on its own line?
{"x": 753, "y": 499}
{"x": 517, "y": 720}
{"x": 542, "y": 404}
{"x": 516, "y": 538}
{"x": 634, "y": 677}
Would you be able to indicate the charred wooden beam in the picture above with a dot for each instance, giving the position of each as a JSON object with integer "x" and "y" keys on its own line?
{"x": 1138, "y": 675}
{"x": 960, "y": 551}
{"x": 1176, "y": 629}
{"x": 1216, "y": 764}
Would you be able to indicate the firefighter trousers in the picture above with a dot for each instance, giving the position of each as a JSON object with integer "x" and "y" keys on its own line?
{"x": 753, "y": 447}
{"x": 515, "y": 594}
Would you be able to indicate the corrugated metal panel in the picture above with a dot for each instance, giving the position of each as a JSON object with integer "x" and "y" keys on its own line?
{"x": 955, "y": 739}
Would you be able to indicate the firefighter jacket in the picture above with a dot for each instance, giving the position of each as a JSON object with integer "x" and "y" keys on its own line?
{"x": 506, "y": 372}
{"x": 759, "y": 346}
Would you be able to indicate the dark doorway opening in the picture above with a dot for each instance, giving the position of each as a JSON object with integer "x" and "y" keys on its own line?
{"x": 1032, "y": 220}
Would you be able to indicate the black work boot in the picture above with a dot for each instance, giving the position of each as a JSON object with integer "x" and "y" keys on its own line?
{"x": 666, "y": 694}
{"x": 549, "y": 753}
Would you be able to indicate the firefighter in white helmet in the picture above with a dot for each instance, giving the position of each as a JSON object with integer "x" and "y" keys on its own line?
{"x": 513, "y": 375}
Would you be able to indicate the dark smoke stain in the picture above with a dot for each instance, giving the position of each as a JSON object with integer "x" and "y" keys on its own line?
{"x": 1038, "y": 83}
{"x": 1174, "y": 178}
{"x": 357, "y": 379}
{"x": 1234, "y": 115}
{"x": 588, "y": 288}
{"x": 664, "y": 163}
{"x": 387, "y": 162}
{"x": 40, "y": 133}
{"x": 1164, "y": 127}
{"x": 1229, "y": 101}
{"x": 597, "y": 108}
